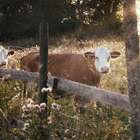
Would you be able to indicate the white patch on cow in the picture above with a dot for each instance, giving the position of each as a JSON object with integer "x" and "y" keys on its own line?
{"x": 3, "y": 56}
{"x": 102, "y": 57}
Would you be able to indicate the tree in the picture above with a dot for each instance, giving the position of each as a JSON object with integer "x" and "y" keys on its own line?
{"x": 132, "y": 61}
{"x": 21, "y": 18}
{"x": 102, "y": 10}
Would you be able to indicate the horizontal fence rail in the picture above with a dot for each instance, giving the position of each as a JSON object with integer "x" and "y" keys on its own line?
{"x": 21, "y": 75}
{"x": 107, "y": 97}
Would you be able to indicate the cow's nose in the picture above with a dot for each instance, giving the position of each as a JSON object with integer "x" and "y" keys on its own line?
{"x": 3, "y": 63}
{"x": 105, "y": 69}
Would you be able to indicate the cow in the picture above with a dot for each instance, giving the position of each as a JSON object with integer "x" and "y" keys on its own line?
{"x": 86, "y": 69}
{"x": 4, "y": 56}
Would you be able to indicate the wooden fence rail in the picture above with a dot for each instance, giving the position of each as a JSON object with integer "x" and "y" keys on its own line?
{"x": 107, "y": 97}
{"x": 22, "y": 75}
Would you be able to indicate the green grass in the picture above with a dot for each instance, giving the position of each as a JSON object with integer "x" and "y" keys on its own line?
{"x": 99, "y": 122}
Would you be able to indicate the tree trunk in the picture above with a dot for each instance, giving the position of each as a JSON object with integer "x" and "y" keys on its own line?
{"x": 132, "y": 61}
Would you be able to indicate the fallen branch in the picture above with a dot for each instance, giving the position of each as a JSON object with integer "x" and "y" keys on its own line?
{"x": 4, "y": 116}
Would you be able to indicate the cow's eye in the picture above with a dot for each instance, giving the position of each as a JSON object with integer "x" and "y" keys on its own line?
{"x": 96, "y": 58}
{"x": 108, "y": 59}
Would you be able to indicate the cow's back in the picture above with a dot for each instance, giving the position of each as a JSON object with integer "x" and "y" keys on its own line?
{"x": 73, "y": 67}
{"x": 70, "y": 66}
{"x": 30, "y": 62}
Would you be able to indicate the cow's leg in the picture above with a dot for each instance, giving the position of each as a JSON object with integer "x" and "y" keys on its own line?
{"x": 80, "y": 109}
{"x": 25, "y": 89}
{"x": 79, "y": 105}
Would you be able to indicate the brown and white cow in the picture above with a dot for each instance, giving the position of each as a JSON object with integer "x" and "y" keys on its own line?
{"x": 4, "y": 56}
{"x": 87, "y": 69}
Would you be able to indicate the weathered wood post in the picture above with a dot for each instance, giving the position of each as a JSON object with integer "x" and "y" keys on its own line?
{"x": 132, "y": 61}
{"x": 43, "y": 60}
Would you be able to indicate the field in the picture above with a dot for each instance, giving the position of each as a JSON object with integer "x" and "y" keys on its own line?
{"x": 99, "y": 122}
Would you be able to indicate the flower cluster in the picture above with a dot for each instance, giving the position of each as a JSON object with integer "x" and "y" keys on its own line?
{"x": 14, "y": 99}
{"x": 49, "y": 89}
{"x": 42, "y": 107}
{"x": 49, "y": 119}
{"x": 56, "y": 107}
{"x": 30, "y": 106}
{"x": 26, "y": 126}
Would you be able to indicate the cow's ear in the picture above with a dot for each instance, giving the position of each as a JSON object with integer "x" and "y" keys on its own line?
{"x": 11, "y": 52}
{"x": 89, "y": 55}
{"x": 115, "y": 54}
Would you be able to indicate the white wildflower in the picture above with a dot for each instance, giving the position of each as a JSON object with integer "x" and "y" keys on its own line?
{"x": 26, "y": 125}
{"x": 42, "y": 106}
{"x": 32, "y": 102}
{"x": 129, "y": 119}
{"x": 44, "y": 126}
{"x": 67, "y": 131}
{"x": 49, "y": 89}
{"x": 15, "y": 98}
{"x": 100, "y": 110}
{"x": 56, "y": 107}
{"x": 49, "y": 119}
{"x": 29, "y": 100}
{"x": 27, "y": 121}
{"x": 24, "y": 129}
{"x": 24, "y": 116}
{"x": 73, "y": 136}
{"x": 95, "y": 105}
{"x": 23, "y": 107}
{"x": 37, "y": 108}
{"x": 29, "y": 106}
{"x": 25, "y": 111}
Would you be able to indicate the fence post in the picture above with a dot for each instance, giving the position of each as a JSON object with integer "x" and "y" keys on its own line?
{"x": 43, "y": 60}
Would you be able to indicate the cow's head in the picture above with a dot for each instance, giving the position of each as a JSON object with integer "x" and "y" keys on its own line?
{"x": 102, "y": 59}
{"x": 4, "y": 55}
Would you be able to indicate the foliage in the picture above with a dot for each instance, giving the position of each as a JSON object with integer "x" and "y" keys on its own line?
{"x": 24, "y": 17}
{"x": 21, "y": 18}
{"x": 98, "y": 122}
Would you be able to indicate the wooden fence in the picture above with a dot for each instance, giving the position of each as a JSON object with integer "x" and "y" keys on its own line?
{"x": 107, "y": 97}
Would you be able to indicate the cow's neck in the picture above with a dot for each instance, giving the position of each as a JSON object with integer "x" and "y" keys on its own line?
{"x": 96, "y": 75}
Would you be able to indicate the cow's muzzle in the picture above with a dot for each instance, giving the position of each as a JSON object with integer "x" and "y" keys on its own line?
{"x": 105, "y": 70}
